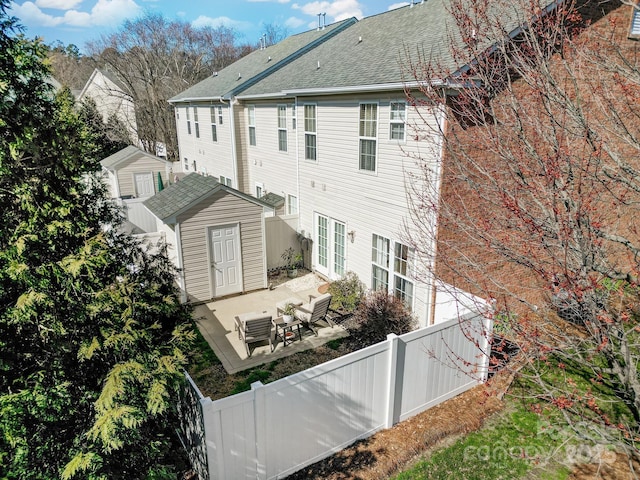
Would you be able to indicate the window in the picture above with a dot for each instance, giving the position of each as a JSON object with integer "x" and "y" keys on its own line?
{"x": 282, "y": 128}
{"x": 185, "y": 166}
{"x": 368, "y": 135}
{"x": 214, "y": 127}
{"x": 396, "y": 120}
{"x": 380, "y": 263}
{"x": 310, "y": 149}
{"x": 188, "y": 122}
{"x": 634, "y": 30}
{"x": 225, "y": 181}
{"x": 259, "y": 190}
{"x": 292, "y": 205}
{"x": 195, "y": 121}
{"x": 323, "y": 241}
{"x": 251, "y": 110}
{"x": 219, "y": 115}
{"x": 403, "y": 288}
{"x": 397, "y": 279}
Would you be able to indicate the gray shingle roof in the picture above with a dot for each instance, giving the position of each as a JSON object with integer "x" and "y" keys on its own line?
{"x": 273, "y": 199}
{"x": 125, "y": 154}
{"x": 189, "y": 191}
{"x": 370, "y": 52}
{"x": 376, "y": 50}
{"x": 244, "y": 72}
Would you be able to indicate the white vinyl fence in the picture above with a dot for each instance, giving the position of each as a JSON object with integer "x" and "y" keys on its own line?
{"x": 281, "y": 233}
{"x": 279, "y": 428}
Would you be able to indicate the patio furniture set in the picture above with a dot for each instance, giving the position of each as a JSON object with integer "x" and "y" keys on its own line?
{"x": 259, "y": 326}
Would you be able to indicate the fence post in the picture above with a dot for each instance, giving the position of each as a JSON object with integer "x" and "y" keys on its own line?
{"x": 259, "y": 418}
{"x": 487, "y": 329}
{"x": 213, "y": 439}
{"x": 392, "y": 340}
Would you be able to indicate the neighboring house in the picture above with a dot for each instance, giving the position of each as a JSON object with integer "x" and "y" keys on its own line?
{"x": 133, "y": 175}
{"x": 112, "y": 100}
{"x": 215, "y": 235}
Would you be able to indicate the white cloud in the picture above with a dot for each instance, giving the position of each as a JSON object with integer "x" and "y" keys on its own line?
{"x": 294, "y": 22}
{"x": 336, "y": 10}
{"x": 264, "y": 1}
{"x": 204, "y": 21}
{"x": 103, "y": 13}
{"x": 397, "y": 5}
{"x": 58, "y": 4}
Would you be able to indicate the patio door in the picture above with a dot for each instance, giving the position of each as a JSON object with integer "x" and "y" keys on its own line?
{"x": 225, "y": 260}
{"x": 331, "y": 252}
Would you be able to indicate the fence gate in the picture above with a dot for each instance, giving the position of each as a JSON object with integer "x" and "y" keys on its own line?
{"x": 192, "y": 428}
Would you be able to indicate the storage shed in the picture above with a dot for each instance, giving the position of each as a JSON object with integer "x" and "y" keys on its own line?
{"x": 217, "y": 235}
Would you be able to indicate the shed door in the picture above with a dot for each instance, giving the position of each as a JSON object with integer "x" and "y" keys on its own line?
{"x": 225, "y": 260}
{"x": 144, "y": 184}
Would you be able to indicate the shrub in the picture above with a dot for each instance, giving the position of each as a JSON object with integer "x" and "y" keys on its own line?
{"x": 377, "y": 315}
{"x": 346, "y": 292}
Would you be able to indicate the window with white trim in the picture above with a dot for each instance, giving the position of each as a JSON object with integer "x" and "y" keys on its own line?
{"x": 379, "y": 263}
{"x": 251, "y": 112}
{"x": 259, "y": 190}
{"x": 397, "y": 118}
{"x": 188, "y": 122}
{"x": 214, "y": 127}
{"x": 226, "y": 181}
{"x": 195, "y": 121}
{"x": 292, "y": 205}
{"x": 310, "y": 147}
{"x": 220, "y": 115}
{"x": 395, "y": 278}
{"x": 339, "y": 248}
{"x": 282, "y": 128}
{"x": 368, "y": 136}
{"x": 185, "y": 165}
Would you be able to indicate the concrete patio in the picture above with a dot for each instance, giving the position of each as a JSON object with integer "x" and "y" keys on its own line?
{"x": 215, "y": 321}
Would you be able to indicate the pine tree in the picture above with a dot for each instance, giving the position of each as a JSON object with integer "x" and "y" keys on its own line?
{"x": 92, "y": 334}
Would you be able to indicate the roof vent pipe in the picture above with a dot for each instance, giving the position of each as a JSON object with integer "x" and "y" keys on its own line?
{"x": 324, "y": 20}
{"x": 318, "y": 63}
{"x": 319, "y": 15}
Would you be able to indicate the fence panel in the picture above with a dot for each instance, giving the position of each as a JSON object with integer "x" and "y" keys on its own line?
{"x": 139, "y": 216}
{"x": 280, "y": 234}
{"x": 279, "y": 428}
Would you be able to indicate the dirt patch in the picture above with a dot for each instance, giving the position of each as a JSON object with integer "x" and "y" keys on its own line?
{"x": 613, "y": 466}
{"x": 390, "y": 451}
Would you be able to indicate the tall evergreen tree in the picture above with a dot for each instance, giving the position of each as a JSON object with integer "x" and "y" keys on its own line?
{"x": 92, "y": 335}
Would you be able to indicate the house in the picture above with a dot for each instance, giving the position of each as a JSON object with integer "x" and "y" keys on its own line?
{"x": 133, "y": 175}
{"x": 215, "y": 235}
{"x": 329, "y": 131}
{"x": 112, "y": 101}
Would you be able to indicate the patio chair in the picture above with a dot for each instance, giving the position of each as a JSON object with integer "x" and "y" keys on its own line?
{"x": 254, "y": 327}
{"x": 314, "y": 311}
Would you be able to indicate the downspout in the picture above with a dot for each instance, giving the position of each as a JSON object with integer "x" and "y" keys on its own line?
{"x": 234, "y": 150}
{"x": 438, "y": 188}
{"x": 181, "y": 279}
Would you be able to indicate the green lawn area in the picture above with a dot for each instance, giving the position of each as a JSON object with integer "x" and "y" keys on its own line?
{"x": 512, "y": 445}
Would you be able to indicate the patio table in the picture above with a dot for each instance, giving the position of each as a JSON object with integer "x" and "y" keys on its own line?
{"x": 283, "y": 328}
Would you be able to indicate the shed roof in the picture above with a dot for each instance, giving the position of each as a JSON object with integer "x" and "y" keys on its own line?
{"x": 250, "y": 68}
{"x": 191, "y": 190}
{"x": 273, "y": 199}
{"x": 127, "y": 153}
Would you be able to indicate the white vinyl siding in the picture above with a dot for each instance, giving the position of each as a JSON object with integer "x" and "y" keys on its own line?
{"x": 368, "y": 134}
{"x": 397, "y": 116}
{"x": 251, "y": 112}
{"x": 282, "y": 128}
{"x": 310, "y": 133}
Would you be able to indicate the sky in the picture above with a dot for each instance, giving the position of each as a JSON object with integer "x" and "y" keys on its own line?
{"x": 79, "y": 21}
